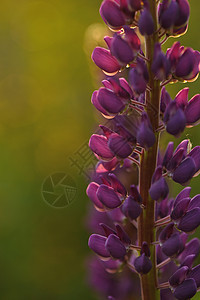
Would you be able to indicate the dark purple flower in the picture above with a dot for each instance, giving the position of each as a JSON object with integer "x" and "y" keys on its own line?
{"x": 179, "y": 276}
{"x": 190, "y": 221}
{"x": 108, "y": 196}
{"x": 161, "y": 65}
{"x": 111, "y": 14}
{"x": 131, "y": 208}
{"x": 145, "y": 134}
{"x": 138, "y": 77}
{"x": 146, "y": 23}
{"x": 105, "y": 61}
{"x": 97, "y": 244}
{"x": 143, "y": 264}
{"x": 186, "y": 290}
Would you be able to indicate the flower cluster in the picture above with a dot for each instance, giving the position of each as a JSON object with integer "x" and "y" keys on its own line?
{"x": 139, "y": 229}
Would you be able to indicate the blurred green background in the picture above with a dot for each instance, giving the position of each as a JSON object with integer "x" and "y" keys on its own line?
{"x": 45, "y": 116}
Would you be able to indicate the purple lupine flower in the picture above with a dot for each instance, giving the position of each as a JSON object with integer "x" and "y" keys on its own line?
{"x": 127, "y": 222}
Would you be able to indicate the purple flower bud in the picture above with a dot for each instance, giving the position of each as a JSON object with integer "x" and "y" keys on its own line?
{"x": 145, "y": 134}
{"x": 190, "y": 221}
{"x": 125, "y": 85}
{"x": 145, "y": 249}
{"x": 109, "y": 101}
{"x": 111, "y": 14}
{"x": 195, "y": 202}
{"x": 117, "y": 185}
{"x": 185, "y": 171}
{"x": 121, "y": 50}
{"x": 159, "y": 189}
{"x": 183, "y": 13}
{"x": 173, "y": 245}
{"x": 119, "y": 146}
{"x": 97, "y": 244}
{"x": 107, "y": 230}
{"x": 187, "y": 66}
{"x": 168, "y": 153}
{"x": 173, "y": 54}
{"x": 185, "y": 290}
{"x": 138, "y": 77}
{"x": 92, "y": 194}
{"x": 176, "y": 123}
{"x": 143, "y": 264}
{"x": 124, "y": 238}
{"x": 168, "y": 13}
{"x": 115, "y": 247}
{"x": 160, "y": 65}
{"x": 180, "y": 209}
{"x": 105, "y": 61}
{"x": 185, "y": 193}
{"x": 146, "y": 23}
{"x": 179, "y": 276}
{"x": 195, "y": 274}
{"x": 188, "y": 261}
{"x": 98, "y": 144}
{"x": 165, "y": 100}
{"x": 131, "y": 209}
{"x": 108, "y": 197}
{"x": 192, "y": 111}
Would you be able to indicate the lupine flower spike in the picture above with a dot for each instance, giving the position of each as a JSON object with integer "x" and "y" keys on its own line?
{"x": 142, "y": 240}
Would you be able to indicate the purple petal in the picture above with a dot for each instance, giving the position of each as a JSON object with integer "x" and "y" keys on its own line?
{"x": 188, "y": 261}
{"x": 165, "y": 99}
{"x": 179, "y": 276}
{"x": 168, "y": 153}
{"x": 108, "y": 196}
{"x": 183, "y": 13}
{"x": 168, "y": 15}
{"x": 116, "y": 184}
{"x": 195, "y": 202}
{"x": 193, "y": 247}
{"x": 119, "y": 146}
{"x": 115, "y": 247}
{"x": 185, "y": 193}
{"x": 192, "y": 111}
{"x": 195, "y": 274}
{"x": 159, "y": 190}
{"x": 186, "y": 64}
{"x": 107, "y": 229}
{"x": 96, "y": 103}
{"x": 186, "y": 290}
{"x": 97, "y": 244}
{"x": 190, "y": 221}
{"x": 121, "y": 50}
{"x": 176, "y": 123}
{"x": 180, "y": 209}
{"x": 145, "y": 136}
{"x": 185, "y": 171}
{"x": 98, "y": 144}
{"x": 166, "y": 232}
{"x": 145, "y": 249}
{"x": 135, "y": 194}
{"x": 105, "y": 61}
{"x": 92, "y": 194}
{"x": 109, "y": 101}
{"x": 195, "y": 155}
{"x": 181, "y": 98}
{"x": 176, "y": 159}
{"x": 173, "y": 245}
{"x": 124, "y": 238}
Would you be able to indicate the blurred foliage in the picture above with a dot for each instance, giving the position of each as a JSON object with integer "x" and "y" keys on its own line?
{"x": 45, "y": 116}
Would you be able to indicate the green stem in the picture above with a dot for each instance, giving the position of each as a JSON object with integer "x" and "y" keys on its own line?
{"x": 146, "y": 229}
